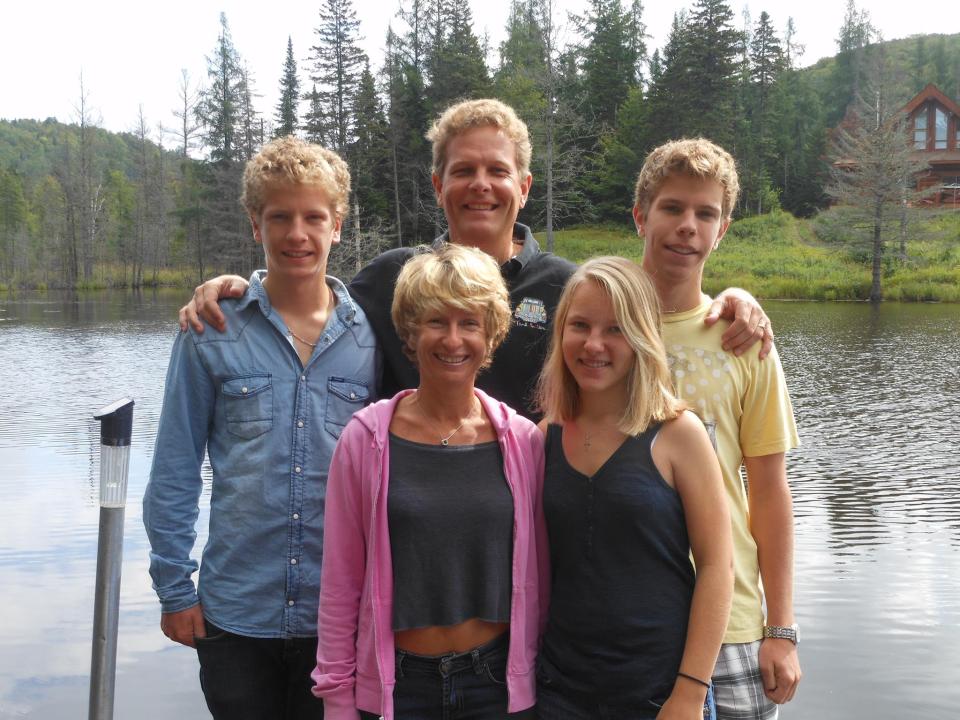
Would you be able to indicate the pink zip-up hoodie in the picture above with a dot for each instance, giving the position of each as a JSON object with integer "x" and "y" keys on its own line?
{"x": 355, "y": 652}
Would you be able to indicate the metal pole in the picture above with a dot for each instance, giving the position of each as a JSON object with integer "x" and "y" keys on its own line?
{"x": 116, "y": 425}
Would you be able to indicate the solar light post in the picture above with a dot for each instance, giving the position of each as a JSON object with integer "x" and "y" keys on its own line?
{"x": 116, "y": 425}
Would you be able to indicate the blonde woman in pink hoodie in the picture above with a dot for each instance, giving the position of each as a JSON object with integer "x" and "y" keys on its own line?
{"x": 432, "y": 590}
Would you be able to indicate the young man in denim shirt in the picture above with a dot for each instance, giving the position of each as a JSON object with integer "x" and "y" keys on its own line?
{"x": 266, "y": 400}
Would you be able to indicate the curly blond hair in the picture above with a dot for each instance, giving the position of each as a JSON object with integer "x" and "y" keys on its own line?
{"x": 470, "y": 114}
{"x": 290, "y": 160}
{"x": 453, "y": 276}
{"x": 693, "y": 157}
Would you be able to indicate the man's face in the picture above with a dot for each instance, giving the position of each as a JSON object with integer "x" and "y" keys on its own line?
{"x": 481, "y": 190}
{"x": 682, "y": 226}
{"x": 297, "y": 227}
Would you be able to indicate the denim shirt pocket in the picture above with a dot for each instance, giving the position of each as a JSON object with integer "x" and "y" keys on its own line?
{"x": 248, "y": 404}
{"x": 344, "y": 398}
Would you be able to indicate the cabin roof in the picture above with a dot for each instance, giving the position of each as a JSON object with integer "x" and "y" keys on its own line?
{"x": 931, "y": 92}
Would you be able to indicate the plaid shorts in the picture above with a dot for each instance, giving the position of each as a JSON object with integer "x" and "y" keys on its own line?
{"x": 738, "y": 686}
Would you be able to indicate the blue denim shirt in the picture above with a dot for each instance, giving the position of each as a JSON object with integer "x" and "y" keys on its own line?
{"x": 269, "y": 425}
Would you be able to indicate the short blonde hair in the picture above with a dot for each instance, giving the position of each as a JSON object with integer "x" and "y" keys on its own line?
{"x": 290, "y": 160}
{"x": 693, "y": 157}
{"x": 453, "y": 276}
{"x": 470, "y": 114}
{"x": 650, "y": 396}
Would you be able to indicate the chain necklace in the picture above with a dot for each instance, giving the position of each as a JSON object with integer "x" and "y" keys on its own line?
{"x": 305, "y": 342}
{"x": 445, "y": 441}
{"x": 331, "y": 300}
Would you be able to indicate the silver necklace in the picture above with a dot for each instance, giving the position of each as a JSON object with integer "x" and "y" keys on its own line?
{"x": 307, "y": 342}
{"x": 446, "y": 440}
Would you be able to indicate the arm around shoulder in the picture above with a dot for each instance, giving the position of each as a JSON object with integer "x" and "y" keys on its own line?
{"x": 749, "y": 324}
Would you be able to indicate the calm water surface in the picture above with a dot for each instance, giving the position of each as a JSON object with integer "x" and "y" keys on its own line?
{"x": 876, "y": 488}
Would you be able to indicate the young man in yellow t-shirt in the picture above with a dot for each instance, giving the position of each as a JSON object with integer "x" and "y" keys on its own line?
{"x": 683, "y": 202}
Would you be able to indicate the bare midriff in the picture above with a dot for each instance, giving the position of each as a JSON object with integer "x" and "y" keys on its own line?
{"x": 442, "y": 639}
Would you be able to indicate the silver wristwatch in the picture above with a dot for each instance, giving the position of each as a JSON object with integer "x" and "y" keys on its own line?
{"x": 788, "y": 632}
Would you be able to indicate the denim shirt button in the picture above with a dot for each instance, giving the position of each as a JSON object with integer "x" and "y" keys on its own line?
{"x": 297, "y": 469}
{"x": 293, "y": 561}
{"x": 244, "y": 390}
{"x": 299, "y": 423}
{"x": 353, "y": 396}
{"x": 290, "y": 603}
{"x": 296, "y": 516}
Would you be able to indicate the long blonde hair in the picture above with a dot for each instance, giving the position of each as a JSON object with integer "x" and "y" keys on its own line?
{"x": 650, "y": 396}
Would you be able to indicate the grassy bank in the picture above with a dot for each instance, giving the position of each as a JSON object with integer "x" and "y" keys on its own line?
{"x": 779, "y": 256}
{"x": 106, "y": 277}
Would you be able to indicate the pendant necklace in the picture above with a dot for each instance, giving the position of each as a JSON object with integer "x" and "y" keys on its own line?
{"x": 445, "y": 441}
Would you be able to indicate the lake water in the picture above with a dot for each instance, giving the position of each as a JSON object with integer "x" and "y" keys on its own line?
{"x": 876, "y": 489}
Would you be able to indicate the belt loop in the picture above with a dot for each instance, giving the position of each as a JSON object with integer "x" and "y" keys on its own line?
{"x": 475, "y": 657}
{"x": 401, "y": 654}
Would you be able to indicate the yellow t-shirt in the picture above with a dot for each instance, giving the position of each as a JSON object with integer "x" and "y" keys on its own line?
{"x": 744, "y": 404}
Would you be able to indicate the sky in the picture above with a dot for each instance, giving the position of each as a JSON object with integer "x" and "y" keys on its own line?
{"x": 130, "y": 54}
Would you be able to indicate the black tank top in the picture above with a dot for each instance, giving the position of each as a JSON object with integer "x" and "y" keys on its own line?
{"x": 450, "y": 515}
{"x": 622, "y": 576}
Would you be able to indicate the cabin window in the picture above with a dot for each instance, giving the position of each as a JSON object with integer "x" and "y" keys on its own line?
{"x": 940, "y": 130}
{"x": 920, "y": 131}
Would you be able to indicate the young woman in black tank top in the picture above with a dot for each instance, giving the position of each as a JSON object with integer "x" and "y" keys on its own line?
{"x": 631, "y": 487}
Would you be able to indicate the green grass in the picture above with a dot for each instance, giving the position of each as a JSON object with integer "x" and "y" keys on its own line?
{"x": 779, "y": 256}
{"x": 106, "y": 276}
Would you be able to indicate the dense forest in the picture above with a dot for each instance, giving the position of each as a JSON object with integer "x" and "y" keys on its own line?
{"x": 83, "y": 207}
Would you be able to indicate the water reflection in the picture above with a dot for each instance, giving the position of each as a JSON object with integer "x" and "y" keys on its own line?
{"x": 877, "y": 501}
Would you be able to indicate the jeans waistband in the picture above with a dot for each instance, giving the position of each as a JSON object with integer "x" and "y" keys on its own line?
{"x": 451, "y": 663}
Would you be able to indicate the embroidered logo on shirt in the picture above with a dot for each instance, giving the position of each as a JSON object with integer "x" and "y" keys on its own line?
{"x": 531, "y": 312}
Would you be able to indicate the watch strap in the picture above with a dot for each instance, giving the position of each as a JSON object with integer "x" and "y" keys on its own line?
{"x": 781, "y": 632}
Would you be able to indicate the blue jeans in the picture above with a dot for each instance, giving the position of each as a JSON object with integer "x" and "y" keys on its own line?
{"x": 458, "y": 686}
{"x": 246, "y": 678}
{"x": 557, "y": 703}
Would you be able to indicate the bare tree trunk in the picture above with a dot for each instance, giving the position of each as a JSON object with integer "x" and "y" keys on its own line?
{"x": 548, "y": 48}
{"x": 903, "y": 230}
{"x": 875, "y": 294}
{"x": 396, "y": 191}
{"x": 357, "y": 239}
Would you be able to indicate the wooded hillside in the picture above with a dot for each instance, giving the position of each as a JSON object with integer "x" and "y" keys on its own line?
{"x": 80, "y": 206}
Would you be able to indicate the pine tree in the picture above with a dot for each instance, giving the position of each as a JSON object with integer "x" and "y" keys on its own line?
{"x": 315, "y": 123}
{"x": 365, "y": 232}
{"x": 251, "y": 123}
{"x": 408, "y": 114}
{"x": 712, "y": 48}
{"x": 522, "y": 53}
{"x": 459, "y": 68}
{"x": 766, "y": 63}
{"x": 337, "y": 63}
{"x": 856, "y": 34}
{"x": 610, "y": 56}
{"x": 226, "y": 111}
{"x": 286, "y": 112}
{"x": 671, "y": 96}
{"x": 370, "y": 153}
{"x": 220, "y": 104}
{"x": 873, "y": 167}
